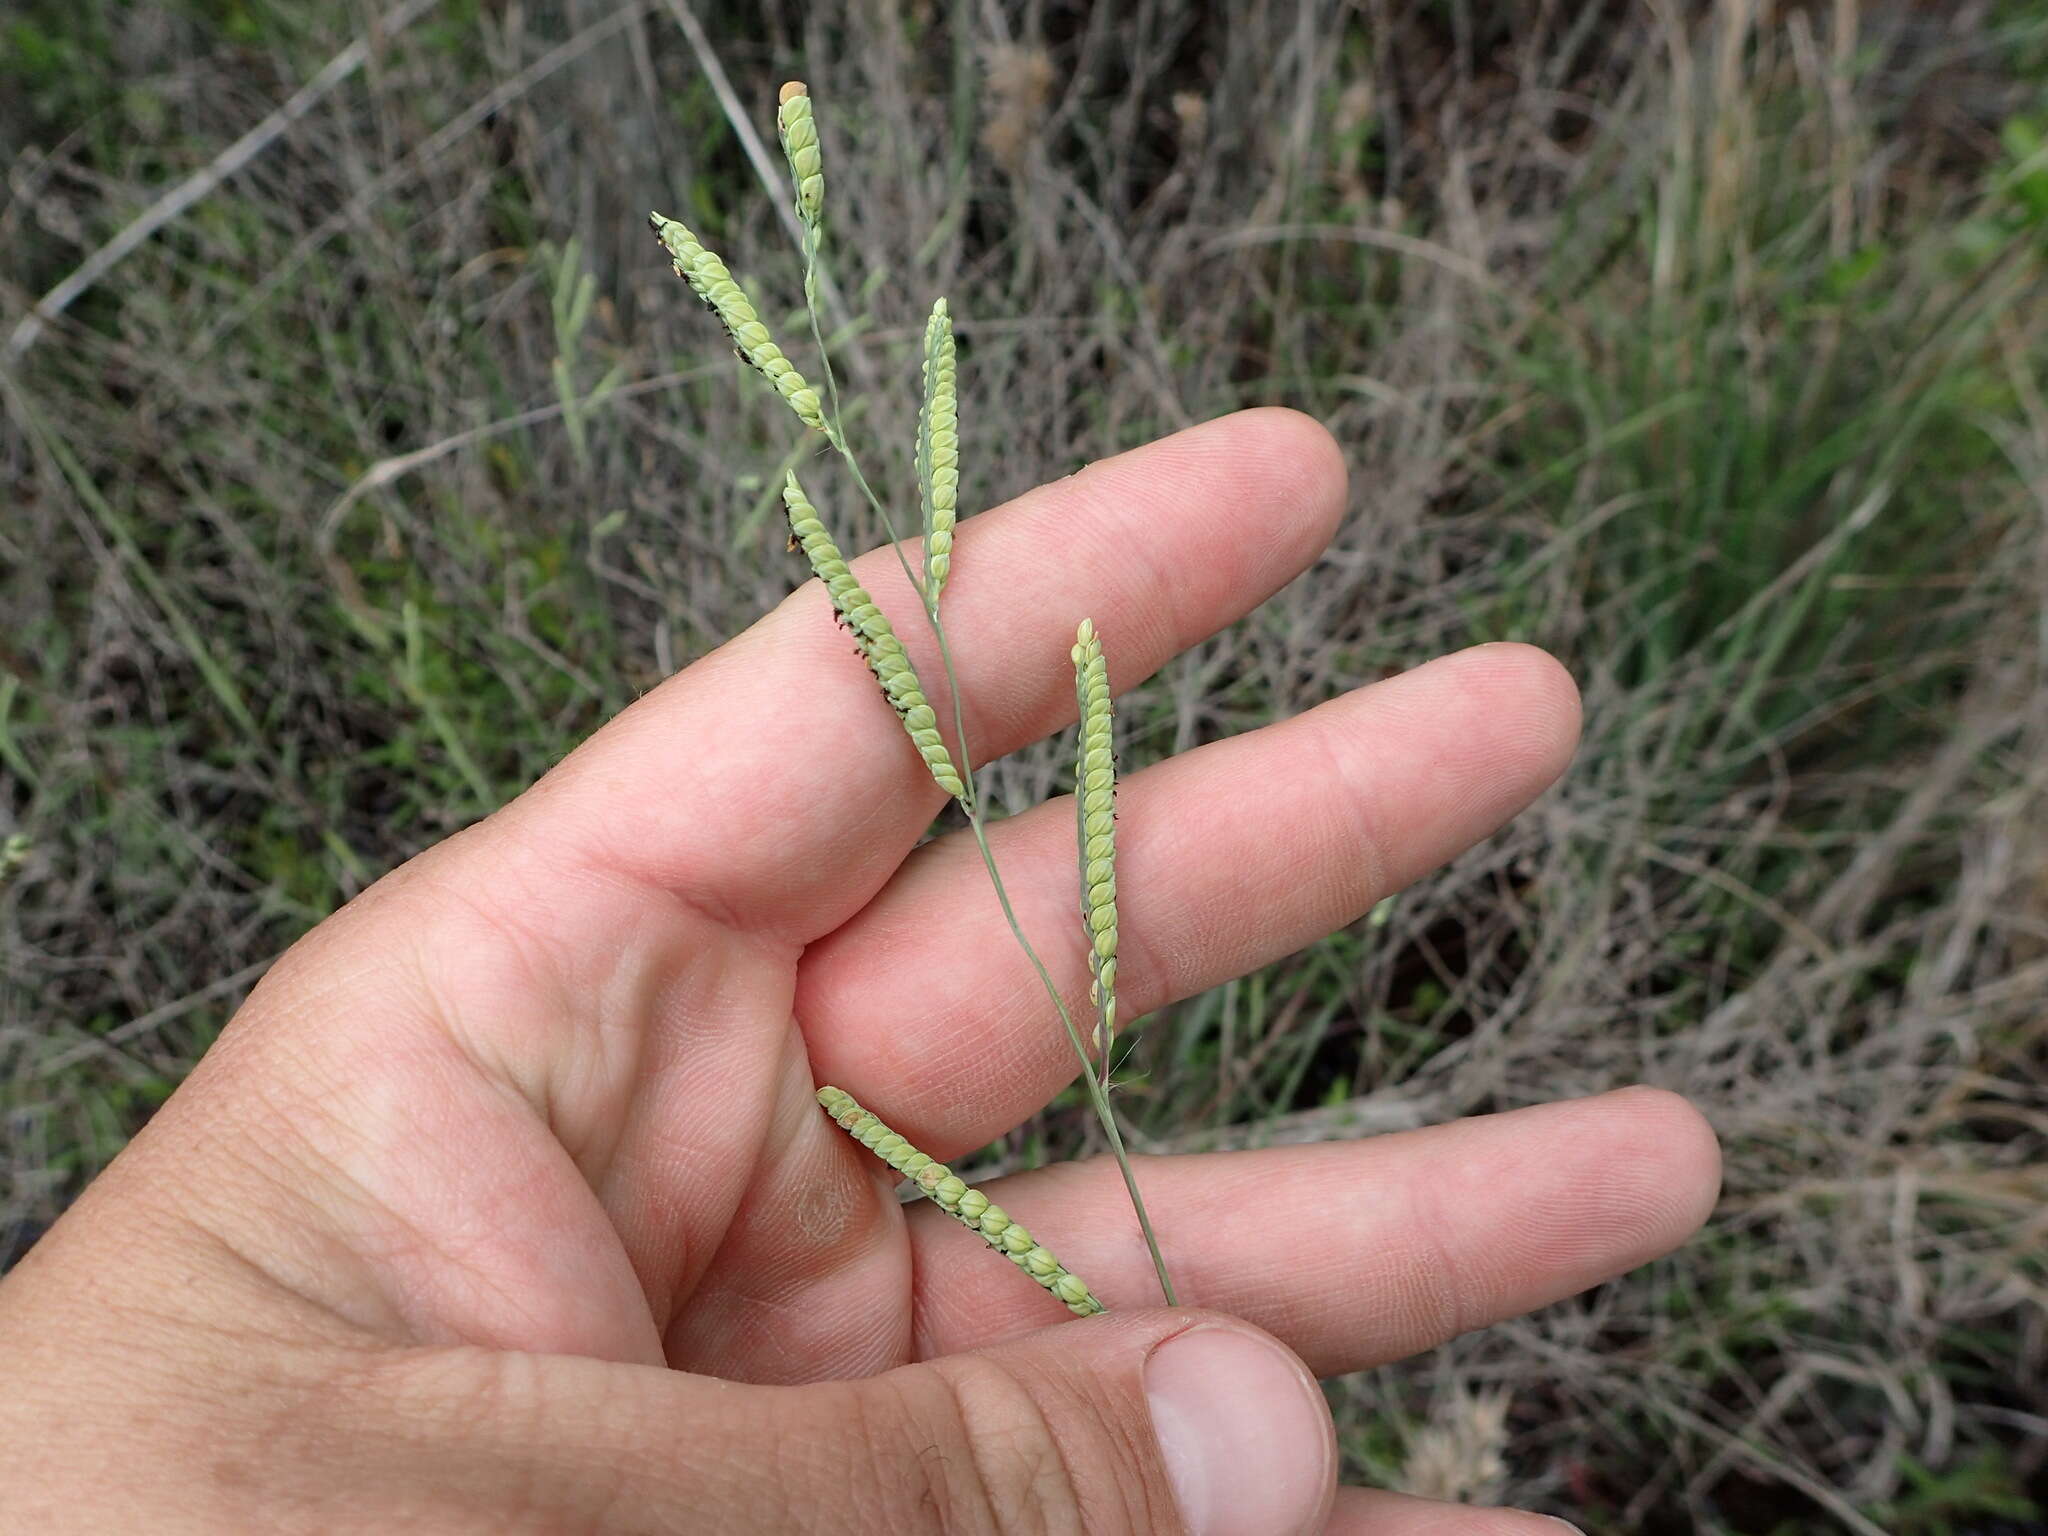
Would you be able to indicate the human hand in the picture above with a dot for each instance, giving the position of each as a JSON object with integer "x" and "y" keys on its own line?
{"x": 504, "y": 1203}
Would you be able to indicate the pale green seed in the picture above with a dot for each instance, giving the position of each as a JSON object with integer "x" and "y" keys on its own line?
{"x": 1069, "y": 1289}
{"x": 711, "y": 282}
{"x": 938, "y": 450}
{"x": 878, "y": 644}
{"x": 968, "y": 1206}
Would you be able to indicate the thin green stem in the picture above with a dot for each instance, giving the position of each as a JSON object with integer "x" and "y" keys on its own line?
{"x": 845, "y": 451}
{"x": 1095, "y": 1094}
{"x": 817, "y": 326}
{"x": 972, "y": 804}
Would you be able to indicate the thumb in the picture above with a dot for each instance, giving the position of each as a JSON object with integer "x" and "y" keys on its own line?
{"x": 1146, "y": 1422}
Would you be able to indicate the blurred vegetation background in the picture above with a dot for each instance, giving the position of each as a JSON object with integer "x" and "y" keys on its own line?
{"x": 1702, "y": 343}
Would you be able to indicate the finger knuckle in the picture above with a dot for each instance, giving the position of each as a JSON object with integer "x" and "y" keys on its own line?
{"x": 1010, "y": 1475}
{"x": 1014, "y": 1465}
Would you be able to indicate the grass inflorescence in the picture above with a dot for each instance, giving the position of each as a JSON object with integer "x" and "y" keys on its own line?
{"x": 938, "y": 451}
{"x": 937, "y": 456}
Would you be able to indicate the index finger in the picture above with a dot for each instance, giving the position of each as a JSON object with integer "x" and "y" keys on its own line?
{"x": 770, "y": 784}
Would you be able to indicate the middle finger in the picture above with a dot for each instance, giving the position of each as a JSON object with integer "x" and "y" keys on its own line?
{"x": 924, "y": 1008}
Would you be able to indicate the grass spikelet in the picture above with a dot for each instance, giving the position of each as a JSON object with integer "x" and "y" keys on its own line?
{"x": 711, "y": 282}
{"x": 883, "y": 652}
{"x": 968, "y": 1206}
{"x": 799, "y": 133}
{"x": 938, "y": 451}
{"x": 1095, "y": 816}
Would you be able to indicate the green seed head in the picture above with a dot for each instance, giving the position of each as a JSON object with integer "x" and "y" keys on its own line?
{"x": 879, "y": 646}
{"x": 799, "y": 132}
{"x": 971, "y": 1206}
{"x": 938, "y": 450}
{"x": 717, "y": 287}
{"x": 1095, "y": 813}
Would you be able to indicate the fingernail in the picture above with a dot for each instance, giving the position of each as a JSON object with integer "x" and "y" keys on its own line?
{"x": 1244, "y": 1432}
{"x": 1560, "y": 1520}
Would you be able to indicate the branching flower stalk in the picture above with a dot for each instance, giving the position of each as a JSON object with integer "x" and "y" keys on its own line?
{"x": 938, "y": 478}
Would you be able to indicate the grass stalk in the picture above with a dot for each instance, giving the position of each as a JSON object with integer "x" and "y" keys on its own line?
{"x": 970, "y": 800}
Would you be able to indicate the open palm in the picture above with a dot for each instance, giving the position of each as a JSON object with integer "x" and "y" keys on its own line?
{"x": 546, "y": 1091}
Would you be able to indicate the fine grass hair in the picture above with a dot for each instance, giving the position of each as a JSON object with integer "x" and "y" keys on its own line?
{"x": 937, "y": 455}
